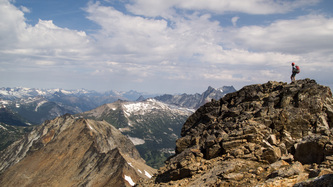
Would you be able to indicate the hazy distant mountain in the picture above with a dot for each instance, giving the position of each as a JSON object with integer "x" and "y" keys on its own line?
{"x": 72, "y": 152}
{"x": 7, "y": 93}
{"x": 196, "y": 100}
{"x": 8, "y": 117}
{"x": 152, "y": 126}
{"x": 38, "y": 109}
{"x": 37, "y": 105}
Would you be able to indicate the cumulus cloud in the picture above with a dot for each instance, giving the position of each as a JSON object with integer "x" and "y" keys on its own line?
{"x": 38, "y": 42}
{"x": 165, "y": 7}
{"x": 195, "y": 47}
{"x": 12, "y": 22}
{"x": 25, "y": 9}
{"x": 298, "y": 36}
{"x": 165, "y": 44}
{"x": 139, "y": 39}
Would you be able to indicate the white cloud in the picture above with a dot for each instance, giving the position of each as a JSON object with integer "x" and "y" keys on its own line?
{"x": 25, "y": 9}
{"x": 166, "y": 7}
{"x": 234, "y": 20}
{"x": 12, "y": 22}
{"x": 298, "y": 36}
{"x": 134, "y": 38}
{"x": 180, "y": 48}
{"x": 43, "y": 41}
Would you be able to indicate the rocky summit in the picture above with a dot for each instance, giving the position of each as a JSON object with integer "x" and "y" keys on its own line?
{"x": 69, "y": 151}
{"x": 273, "y": 134}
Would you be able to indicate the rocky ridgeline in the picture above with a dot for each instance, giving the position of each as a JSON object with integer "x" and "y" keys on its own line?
{"x": 274, "y": 134}
{"x": 69, "y": 151}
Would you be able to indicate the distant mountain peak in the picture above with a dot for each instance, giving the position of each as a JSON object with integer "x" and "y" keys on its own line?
{"x": 196, "y": 100}
{"x": 141, "y": 98}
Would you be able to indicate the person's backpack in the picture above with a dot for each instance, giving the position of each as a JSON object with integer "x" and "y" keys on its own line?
{"x": 298, "y": 70}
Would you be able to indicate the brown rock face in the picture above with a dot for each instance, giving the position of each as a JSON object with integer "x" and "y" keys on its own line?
{"x": 274, "y": 134}
{"x": 72, "y": 152}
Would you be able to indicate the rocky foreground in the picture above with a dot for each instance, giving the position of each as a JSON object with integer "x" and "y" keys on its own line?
{"x": 69, "y": 151}
{"x": 274, "y": 134}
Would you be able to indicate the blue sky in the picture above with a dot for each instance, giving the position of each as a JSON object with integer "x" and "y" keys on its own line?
{"x": 163, "y": 46}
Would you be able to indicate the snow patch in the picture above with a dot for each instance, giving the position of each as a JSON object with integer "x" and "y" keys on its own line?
{"x": 126, "y": 129}
{"x": 39, "y": 104}
{"x": 130, "y": 164}
{"x": 136, "y": 141}
{"x": 127, "y": 114}
{"x": 168, "y": 150}
{"x": 4, "y": 102}
{"x": 147, "y": 174}
{"x": 3, "y": 127}
{"x": 90, "y": 127}
{"x": 138, "y": 107}
{"x": 129, "y": 180}
{"x": 65, "y": 92}
{"x": 139, "y": 171}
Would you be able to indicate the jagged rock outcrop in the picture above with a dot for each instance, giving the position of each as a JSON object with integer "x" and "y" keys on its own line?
{"x": 274, "y": 134}
{"x": 69, "y": 151}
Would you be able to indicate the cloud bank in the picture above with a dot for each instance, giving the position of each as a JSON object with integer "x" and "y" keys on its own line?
{"x": 166, "y": 46}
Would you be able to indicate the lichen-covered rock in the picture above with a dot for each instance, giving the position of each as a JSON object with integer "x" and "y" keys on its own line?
{"x": 274, "y": 134}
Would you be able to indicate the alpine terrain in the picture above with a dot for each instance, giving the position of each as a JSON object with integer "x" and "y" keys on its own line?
{"x": 273, "y": 134}
{"x": 151, "y": 125}
{"x": 196, "y": 100}
{"x": 35, "y": 106}
{"x": 24, "y": 107}
{"x": 69, "y": 151}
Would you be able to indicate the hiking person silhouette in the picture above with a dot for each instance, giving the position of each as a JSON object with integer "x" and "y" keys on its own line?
{"x": 295, "y": 70}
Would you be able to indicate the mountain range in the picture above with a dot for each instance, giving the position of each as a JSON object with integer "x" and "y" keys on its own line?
{"x": 34, "y": 106}
{"x": 272, "y": 134}
{"x": 196, "y": 100}
{"x": 38, "y": 105}
{"x": 152, "y": 124}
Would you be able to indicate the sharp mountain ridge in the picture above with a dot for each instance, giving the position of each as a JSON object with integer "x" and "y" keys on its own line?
{"x": 70, "y": 151}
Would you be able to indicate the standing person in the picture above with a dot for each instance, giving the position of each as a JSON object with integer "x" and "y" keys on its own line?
{"x": 295, "y": 70}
